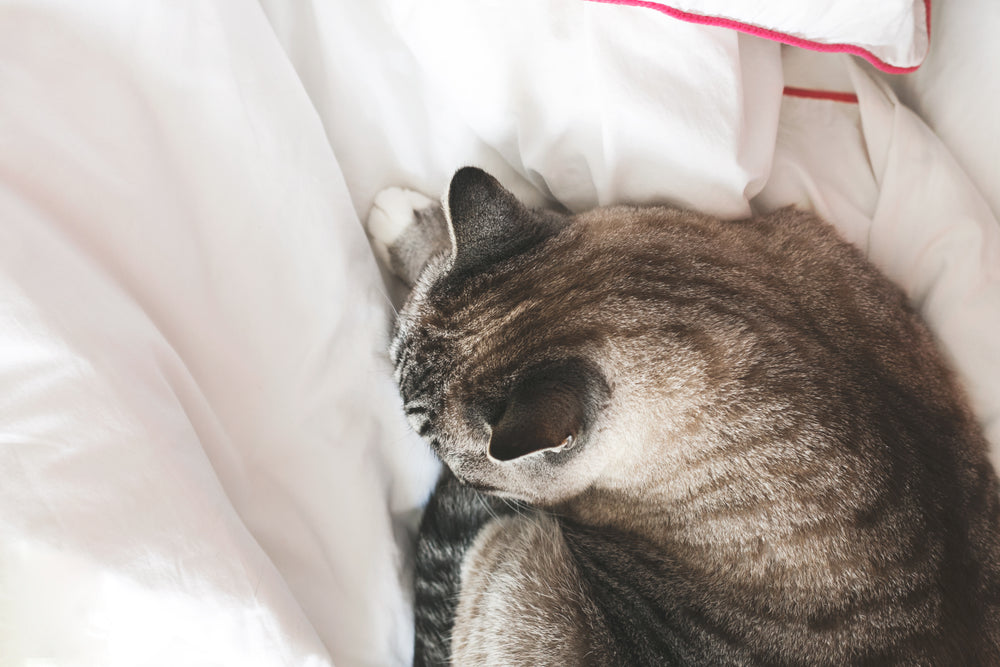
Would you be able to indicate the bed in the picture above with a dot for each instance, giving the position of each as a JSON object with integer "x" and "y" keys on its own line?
{"x": 202, "y": 457}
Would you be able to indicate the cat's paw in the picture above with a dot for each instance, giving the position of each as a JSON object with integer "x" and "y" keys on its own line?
{"x": 407, "y": 229}
{"x": 393, "y": 212}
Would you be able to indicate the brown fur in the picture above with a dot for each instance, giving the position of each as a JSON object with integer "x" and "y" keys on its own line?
{"x": 764, "y": 439}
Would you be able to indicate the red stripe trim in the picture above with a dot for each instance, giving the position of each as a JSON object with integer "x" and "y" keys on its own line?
{"x": 775, "y": 35}
{"x": 811, "y": 94}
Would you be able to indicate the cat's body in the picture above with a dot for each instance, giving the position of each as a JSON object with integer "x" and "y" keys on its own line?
{"x": 735, "y": 442}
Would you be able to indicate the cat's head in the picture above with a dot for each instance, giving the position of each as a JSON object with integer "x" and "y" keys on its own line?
{"x": 507, "y": 353}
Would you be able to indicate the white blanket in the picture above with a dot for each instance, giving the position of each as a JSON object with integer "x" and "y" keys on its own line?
{"x": 201, "y": 453}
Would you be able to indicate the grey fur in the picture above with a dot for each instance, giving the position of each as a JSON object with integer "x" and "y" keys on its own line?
{"x": 770, "y": 463}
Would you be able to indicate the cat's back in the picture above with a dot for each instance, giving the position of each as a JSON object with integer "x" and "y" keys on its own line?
{"x": 789, "y": 309}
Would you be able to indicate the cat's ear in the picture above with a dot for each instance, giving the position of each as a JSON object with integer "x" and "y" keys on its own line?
{"x": 549, "y": 409}
{"x": 486, "y": 222}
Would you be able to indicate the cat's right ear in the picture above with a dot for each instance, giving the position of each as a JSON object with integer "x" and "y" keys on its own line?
{"x": 486, "y": 222}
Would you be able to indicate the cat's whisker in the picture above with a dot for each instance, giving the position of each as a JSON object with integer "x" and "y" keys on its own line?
{"x": 392, "y": 306}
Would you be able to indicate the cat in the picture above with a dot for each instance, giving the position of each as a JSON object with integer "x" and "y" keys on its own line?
{"x": 670, "y": 439}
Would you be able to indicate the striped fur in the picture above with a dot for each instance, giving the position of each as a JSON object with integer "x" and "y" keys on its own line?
{"x": 454, "y": 516}
{"x": 739, "y": 441}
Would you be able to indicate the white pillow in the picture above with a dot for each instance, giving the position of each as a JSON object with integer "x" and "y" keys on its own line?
{"x": 893, "y": 35}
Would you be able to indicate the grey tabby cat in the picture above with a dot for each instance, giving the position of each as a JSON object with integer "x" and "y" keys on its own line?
{"x": 675, "y": 440}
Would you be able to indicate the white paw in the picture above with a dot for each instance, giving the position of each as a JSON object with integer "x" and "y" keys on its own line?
{"x": 392, "y": 212}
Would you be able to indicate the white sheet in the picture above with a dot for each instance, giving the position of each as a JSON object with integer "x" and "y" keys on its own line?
{"x": 956, "y": 91}
{"x": 194, "y": 421}
{"x": 534, "y": 92}
{"x": 202, "y": 456}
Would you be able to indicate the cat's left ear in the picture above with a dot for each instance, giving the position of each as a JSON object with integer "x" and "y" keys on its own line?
{"x": 487, "y": 223}
{"x": 548, "y": 410}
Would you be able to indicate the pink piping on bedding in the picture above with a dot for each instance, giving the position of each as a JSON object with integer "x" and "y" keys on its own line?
{"x": 809, "y": 93}
{"x": 775, "y": 35}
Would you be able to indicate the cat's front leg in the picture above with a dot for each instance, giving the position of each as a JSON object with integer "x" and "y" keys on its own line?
{"x": 407, "y": 229}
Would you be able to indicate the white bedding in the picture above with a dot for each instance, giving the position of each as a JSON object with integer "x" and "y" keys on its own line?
{"x": 202, "y": 459}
